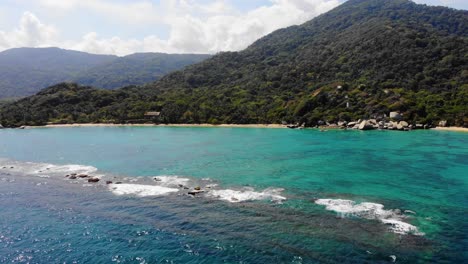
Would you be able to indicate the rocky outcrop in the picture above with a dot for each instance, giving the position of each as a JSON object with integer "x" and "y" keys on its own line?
{"x": 396, "y": 115}
{"x": 443, "y": 123}
{"x": 366, "y": 125}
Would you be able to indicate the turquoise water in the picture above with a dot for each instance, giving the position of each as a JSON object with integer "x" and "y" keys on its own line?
{"x": 50, "y": 219}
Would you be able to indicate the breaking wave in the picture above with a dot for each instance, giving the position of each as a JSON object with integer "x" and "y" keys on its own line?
{"x": 374, "y": 211}
{"x": 140, "y": 190}
{"x": 247, "y": 194}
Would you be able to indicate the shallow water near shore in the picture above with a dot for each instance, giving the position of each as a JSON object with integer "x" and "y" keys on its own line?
{"x": 278, "y": 196}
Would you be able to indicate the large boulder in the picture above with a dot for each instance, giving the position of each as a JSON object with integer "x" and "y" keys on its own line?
{"x": 395, "y": 115}
{"x": 93, "y": 180}
{"x": 404, "y": 124}
{"x": 443, "y": 123}
{"x": 365, "y": 125}
{"x": 351, "y": 124}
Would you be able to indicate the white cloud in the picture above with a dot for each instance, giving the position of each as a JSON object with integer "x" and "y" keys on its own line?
{"x": 134, "y": 12}
{"x": 30, "y": 33}
{"x": 194, "y": 28}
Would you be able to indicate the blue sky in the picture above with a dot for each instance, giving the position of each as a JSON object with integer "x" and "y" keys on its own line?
{"x": 125, "y": 26}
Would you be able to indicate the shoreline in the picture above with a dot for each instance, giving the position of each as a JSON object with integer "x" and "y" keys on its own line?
{"x": 456, "y": 129}
{"x": 165, "y": 125}
{"x": 277, "y": 126}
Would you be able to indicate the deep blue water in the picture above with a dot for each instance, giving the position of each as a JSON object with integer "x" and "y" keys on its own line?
{"x": 265, "y": 204}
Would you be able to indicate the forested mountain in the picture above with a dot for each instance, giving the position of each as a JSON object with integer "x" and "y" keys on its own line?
{"x": 135, "y": 69}
{"x": 25, "y": 71}
{"x": 364, "y": 58}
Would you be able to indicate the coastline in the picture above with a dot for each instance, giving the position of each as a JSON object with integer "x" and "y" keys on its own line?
{"x": 456, "y": 129}
{"x": 453, "y": 129}
{"x": 165, "y": 125}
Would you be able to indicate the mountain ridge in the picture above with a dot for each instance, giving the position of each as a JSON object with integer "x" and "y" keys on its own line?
{"x": 24, "y": 71}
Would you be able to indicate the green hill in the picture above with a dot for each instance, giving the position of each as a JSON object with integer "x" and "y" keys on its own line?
{"x": 25, "y": 71}
{"x": 135, "y": 69}
{"x": 362, "y": 59}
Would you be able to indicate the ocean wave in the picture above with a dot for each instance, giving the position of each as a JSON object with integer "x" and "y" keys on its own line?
{"x": 141, "y": 186}
{"x": 171, "y": 181}
{"x": 45, "y": 170}
{"x": 373, "y": 211}
{"x": 247, "y": 194}
{"x": 140, "y": 190}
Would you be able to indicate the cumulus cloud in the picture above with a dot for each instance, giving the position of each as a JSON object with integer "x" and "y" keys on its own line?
{"x": 193, "y": 27}
{"x": 30, "y": 33}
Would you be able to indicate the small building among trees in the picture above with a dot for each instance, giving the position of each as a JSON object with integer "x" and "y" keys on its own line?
{"x": 153, "y": 116}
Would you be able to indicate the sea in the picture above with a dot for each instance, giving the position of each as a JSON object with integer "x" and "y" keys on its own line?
{"x": 232, "y": 195}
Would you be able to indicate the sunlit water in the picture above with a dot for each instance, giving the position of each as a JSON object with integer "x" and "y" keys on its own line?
{"x": 270, "y": 196}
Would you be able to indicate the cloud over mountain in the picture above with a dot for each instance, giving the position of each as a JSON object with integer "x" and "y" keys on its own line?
{"x": 193, "y": 27}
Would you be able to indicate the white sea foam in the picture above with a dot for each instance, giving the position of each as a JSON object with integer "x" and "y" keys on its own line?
{"x": 69, "y": 168}
{"x": 247, "y": 194}
{"x": 376, "y": 211}
{"x": 140, "y": 190}
{"x": 44, "y": 170}
{"x": 171, "y": 181}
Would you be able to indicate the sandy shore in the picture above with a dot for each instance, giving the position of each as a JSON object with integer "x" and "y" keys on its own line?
{"x": 168, "y": 125}
{"x": 457, "y": 129}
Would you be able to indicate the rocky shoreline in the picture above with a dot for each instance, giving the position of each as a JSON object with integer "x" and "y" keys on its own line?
{"x": 371, "y": 124}
{"x": 361, "y": 124}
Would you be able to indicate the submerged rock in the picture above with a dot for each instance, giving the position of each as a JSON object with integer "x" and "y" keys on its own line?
{"x": 108, "y": 182}
{"x": 93, "y": 180}
{"x": 195, "y": 192}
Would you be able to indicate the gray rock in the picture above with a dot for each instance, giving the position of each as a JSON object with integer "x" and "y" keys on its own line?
{"x": 93, "y": 180}
{"x": 395, "y": 115}
{"x": 443, "y": 123}
{"x": 404, "y": 123}
{"x": 364, "y": 125}
{"x": 351, "y": 124}
{"x": 195, "y": 192}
